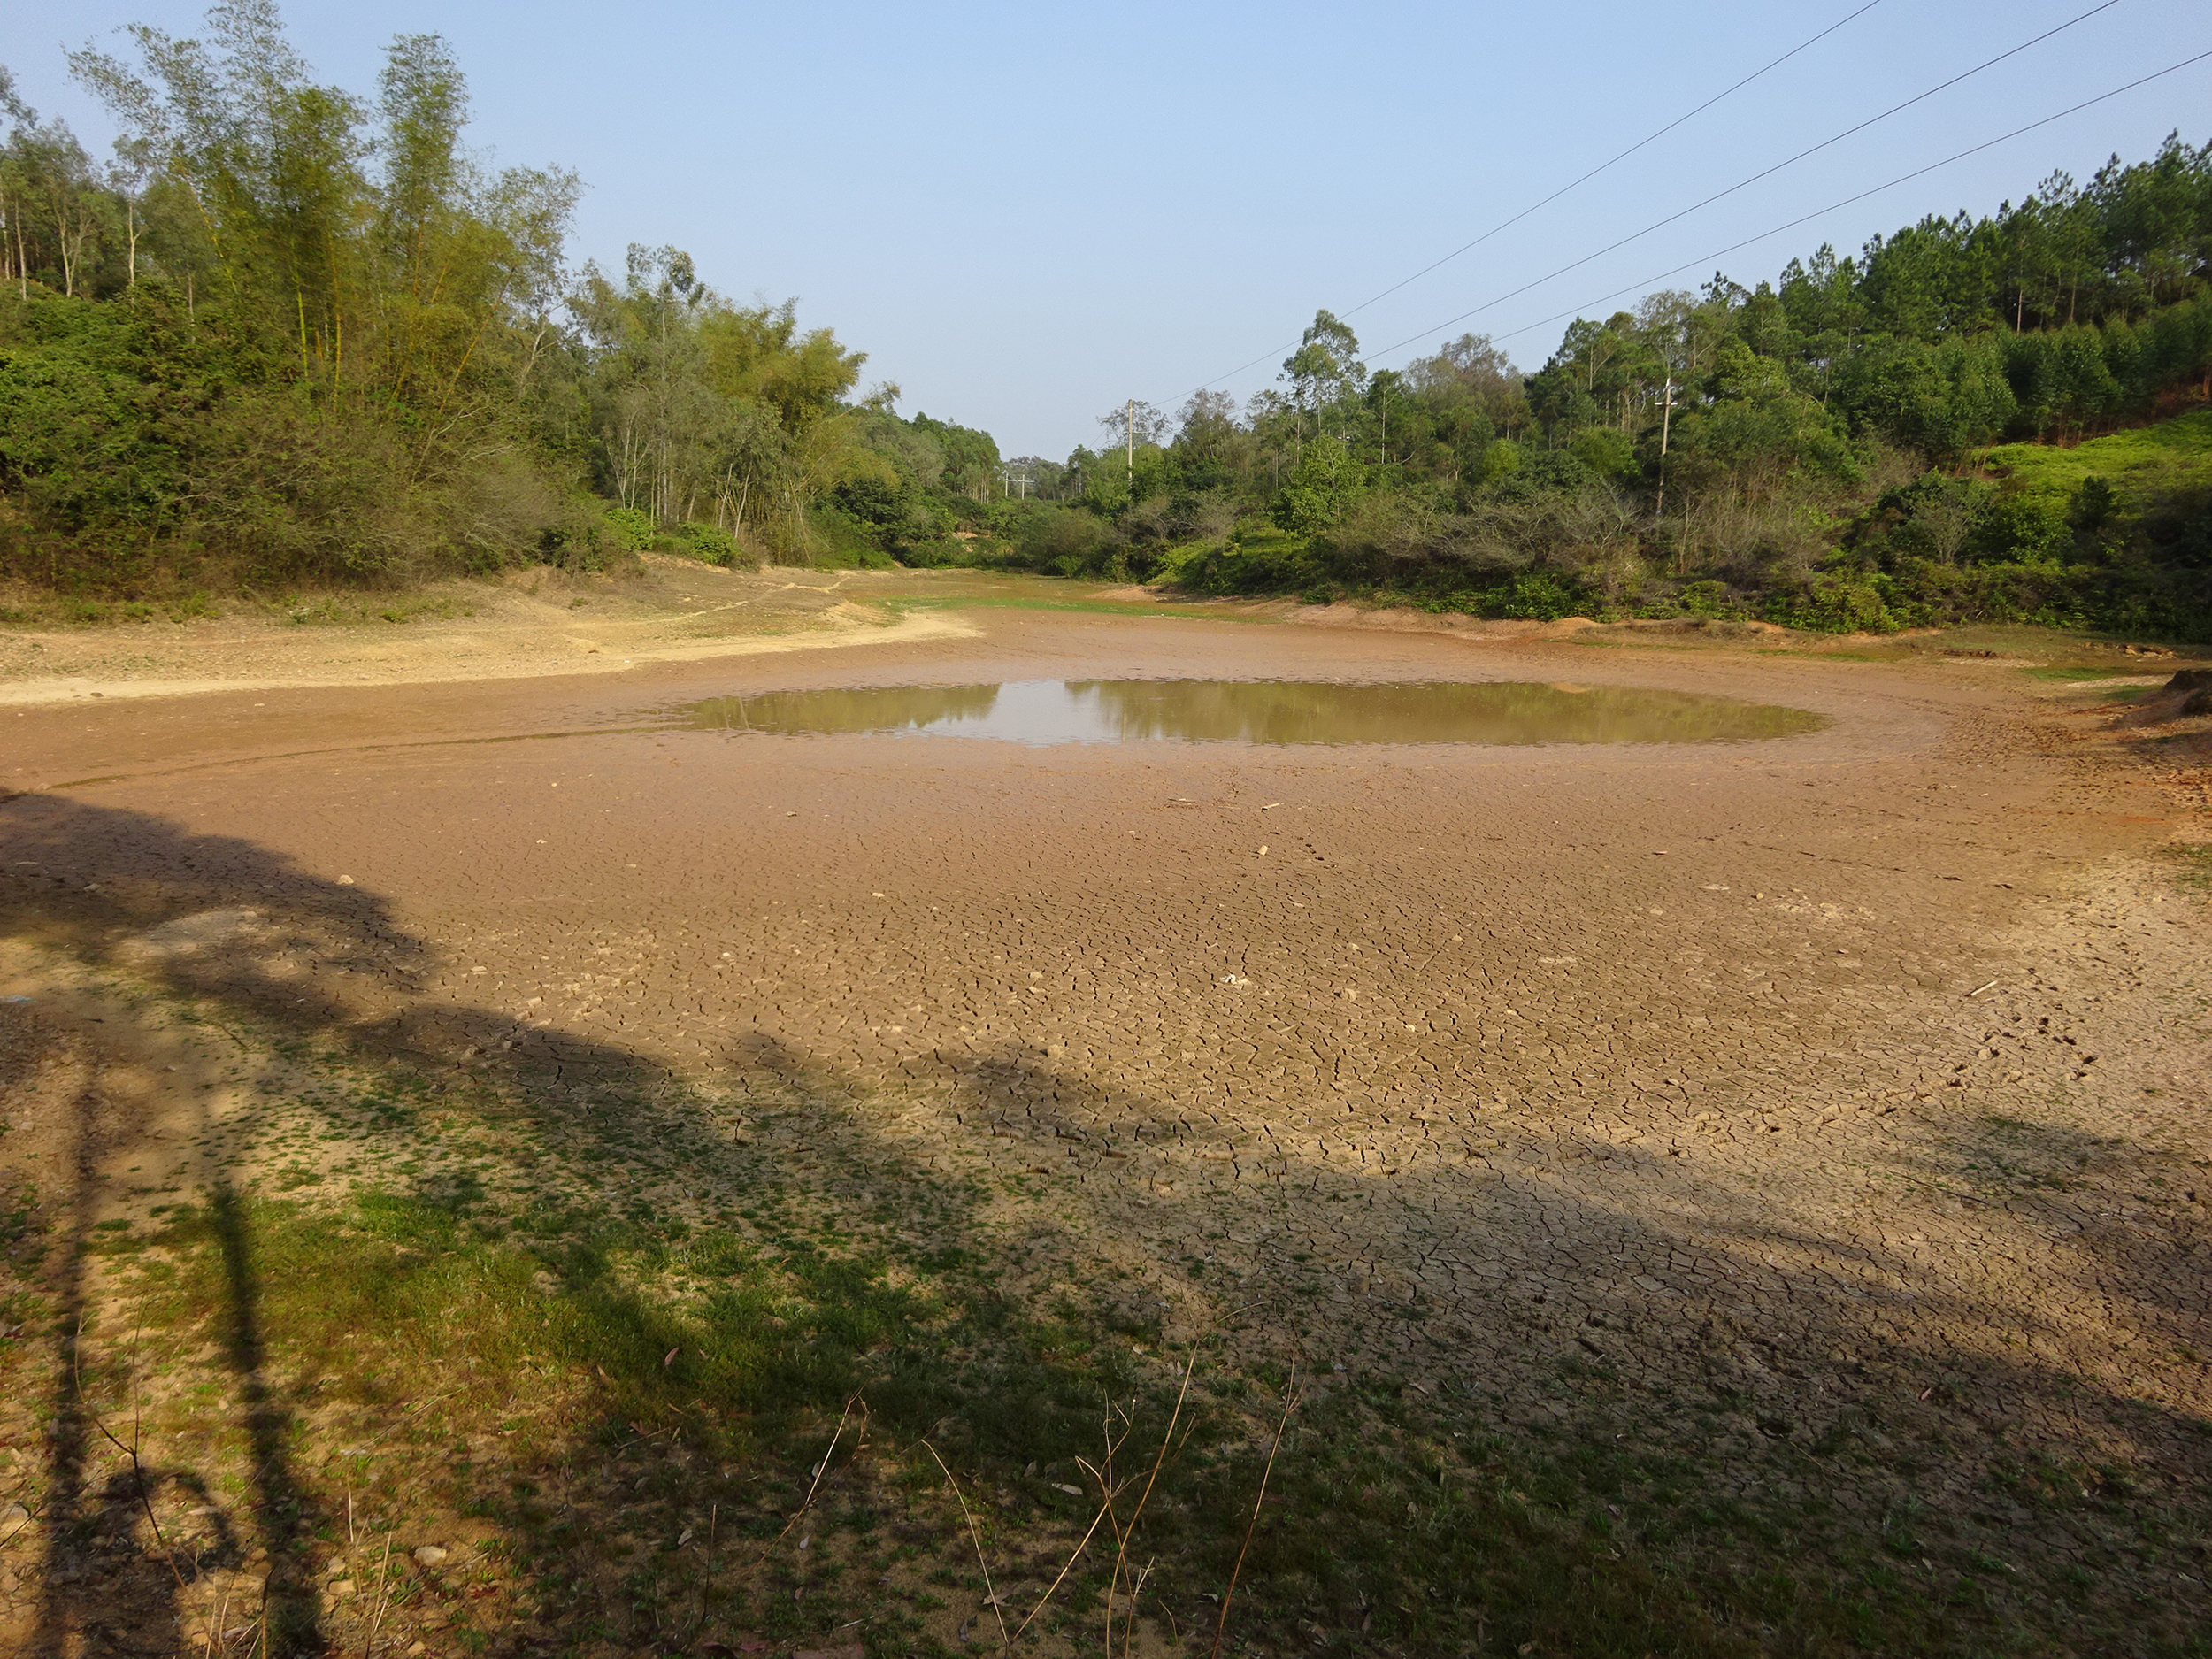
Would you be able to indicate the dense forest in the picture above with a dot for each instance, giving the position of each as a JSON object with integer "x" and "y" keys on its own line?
{"x": 1815, "y": 450}
{"x": 289, "y": 336}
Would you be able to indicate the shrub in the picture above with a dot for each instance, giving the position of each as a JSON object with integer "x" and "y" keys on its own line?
{"x": 1604, "y": 451}
{"x": 1067, "y": 540}
{"x": 1536, "y": 595}
{"x": 709, "y": 543}
{"x": 1709, "y": 598}
{"x": 1834, "y": 604}
{"x": 631, "y": 528}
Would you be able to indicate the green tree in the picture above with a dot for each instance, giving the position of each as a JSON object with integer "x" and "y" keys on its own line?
{"x": 1322, "y": 488}
{"x": 1324, "y": 373}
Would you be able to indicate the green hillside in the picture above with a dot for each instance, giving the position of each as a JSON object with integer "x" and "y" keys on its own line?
{"x": 2142, "y": 466}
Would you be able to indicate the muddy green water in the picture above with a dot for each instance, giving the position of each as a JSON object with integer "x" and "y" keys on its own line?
{"x": 1274, "y": 711}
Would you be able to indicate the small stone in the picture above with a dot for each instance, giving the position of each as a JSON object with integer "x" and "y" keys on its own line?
{"x": 430, "y": 1556}
{"x": 343, "y": 1586}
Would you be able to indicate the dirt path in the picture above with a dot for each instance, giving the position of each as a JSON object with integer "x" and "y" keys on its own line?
{"x": 1832, "y": 1106}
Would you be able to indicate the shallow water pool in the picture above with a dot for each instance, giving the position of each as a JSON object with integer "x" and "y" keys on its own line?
{"x": 1270, "y": 711}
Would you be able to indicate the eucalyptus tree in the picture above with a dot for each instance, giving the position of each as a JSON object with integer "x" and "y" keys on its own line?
{"x": 54, "y": 205}
{"x": 1324, "y": 374}
{"x": 657, "y": 413}
{"x": 1136, "y": 421}
{"x": 706, "y": 411}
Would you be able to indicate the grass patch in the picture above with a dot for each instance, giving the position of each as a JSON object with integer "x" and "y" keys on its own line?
{"x": 1094, "y": 607}
{"x": 2140, "y": 465}
{"x": 343, "y": 610}
{"x": 2195, "y": 862}
{"x": 326, "y": 610}
{"x": 2088, "y": 671}
{"x": 593, "y": 1389}
{"x": 85, "y": 611}
{"x": 665, "y": 1370}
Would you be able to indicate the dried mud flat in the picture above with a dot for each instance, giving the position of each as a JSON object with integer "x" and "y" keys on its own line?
{"x": 1828, "y": 1112}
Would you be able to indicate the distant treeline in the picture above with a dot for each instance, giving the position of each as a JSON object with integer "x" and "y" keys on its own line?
{"x": 290, "y": 335}
{"x": 1805, "y": 450}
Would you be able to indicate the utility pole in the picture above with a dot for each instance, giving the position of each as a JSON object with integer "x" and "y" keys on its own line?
{"x": 1129, "y": 416}
{"x": 1666, "y": 428}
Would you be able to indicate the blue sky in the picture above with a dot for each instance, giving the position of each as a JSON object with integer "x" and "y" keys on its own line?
{"x": 1025, "y": 215}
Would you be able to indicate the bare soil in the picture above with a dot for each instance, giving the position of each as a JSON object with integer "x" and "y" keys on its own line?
{"x": 531, "y": 623}
{"x": 1829, "y": 1109}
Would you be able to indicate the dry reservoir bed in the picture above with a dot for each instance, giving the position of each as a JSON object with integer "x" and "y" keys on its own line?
{"x": 1819, "y": 1113}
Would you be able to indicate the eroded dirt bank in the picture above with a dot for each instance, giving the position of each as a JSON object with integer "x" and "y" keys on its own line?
{"x": 1829, "y": 1108}
{"x": 531, "y": 623}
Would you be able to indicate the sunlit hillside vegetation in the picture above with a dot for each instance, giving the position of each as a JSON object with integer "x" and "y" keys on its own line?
{"x": 1816, "y": 451}
{"x": 290, "y": 335}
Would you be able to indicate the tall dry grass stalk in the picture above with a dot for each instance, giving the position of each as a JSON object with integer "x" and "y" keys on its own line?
{"x": 1221, "y": 1625}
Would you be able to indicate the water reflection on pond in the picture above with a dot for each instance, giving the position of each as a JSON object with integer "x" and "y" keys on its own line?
{"x": 1279, "y": 711}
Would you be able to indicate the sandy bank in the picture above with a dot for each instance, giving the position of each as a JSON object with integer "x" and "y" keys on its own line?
{"x": 531, "y": 624}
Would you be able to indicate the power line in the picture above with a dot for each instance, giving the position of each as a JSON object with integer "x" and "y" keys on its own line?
{"x": 1623, "y": 156}
{"x": 1902, "y": 178}
{"x": 1584, "y": 179}
{"x": 1766, "y": 172}
{"x": 1576, "y": 264}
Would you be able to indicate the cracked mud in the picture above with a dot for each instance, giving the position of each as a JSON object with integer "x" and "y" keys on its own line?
{"x": 1832, "y": 1104}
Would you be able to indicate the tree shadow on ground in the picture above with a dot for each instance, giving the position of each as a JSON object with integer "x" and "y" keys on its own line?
{"x": 1803, "y": 1372}
{"x": 234, "y": 940}
{"x": 123, "y": 890}
{"x": 917, "y": 1314}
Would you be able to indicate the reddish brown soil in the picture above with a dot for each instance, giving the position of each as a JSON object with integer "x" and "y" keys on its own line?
{"x": 1861, "y": 1068}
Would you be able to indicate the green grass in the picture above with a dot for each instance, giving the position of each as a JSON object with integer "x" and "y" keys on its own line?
{"x": 2147, "y": 462}
{"x": 747, "y": 1344}
{"x": 1094, "y": 607}
{"x": 1390, "y": 1519}
{"x": 84, "y": 610}
{"x": 2196, "y": 866}
{"x": 1383, "y": 1520}
{"x": 587, "y": 1327}
{"x": 592, "y": 1378}
{"x": 339, "y": 610}
{"x": 303, "y": 610}
{"x": 2069, "y": 671}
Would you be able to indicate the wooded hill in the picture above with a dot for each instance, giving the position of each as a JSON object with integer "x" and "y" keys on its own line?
{"x": 1815, "y": 449}
{"x": 292, "y": 336}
